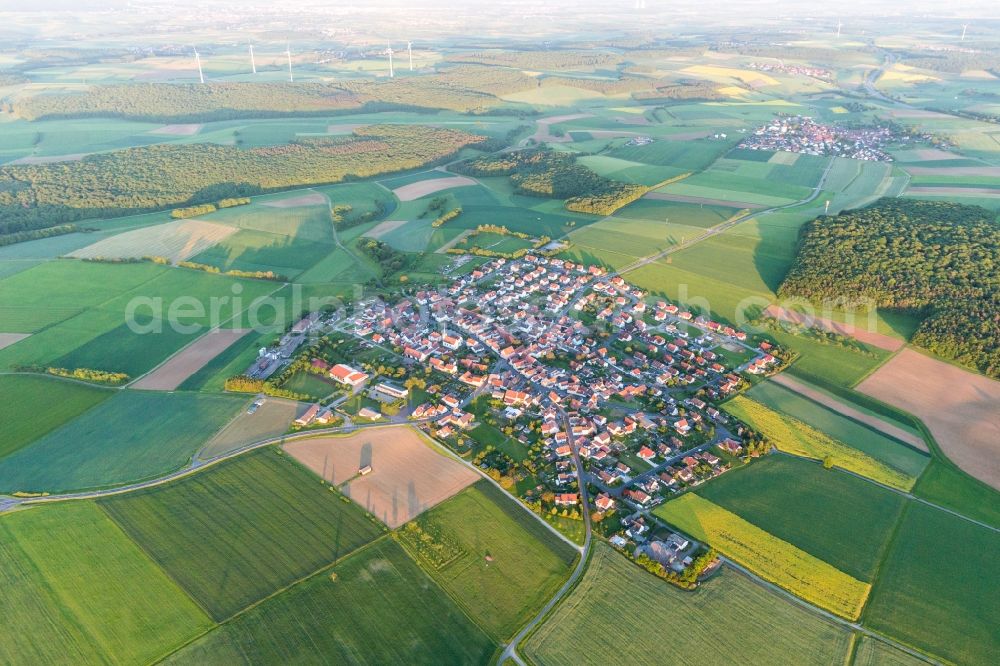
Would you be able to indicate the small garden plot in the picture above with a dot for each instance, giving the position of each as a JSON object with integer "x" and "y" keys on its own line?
{"x": 407, "y": 475}
{"x": 242, "y": 530}
{"x": 311, "y": 385}
{"x": 375, "y": 607}
{"x": 491, "y": 555}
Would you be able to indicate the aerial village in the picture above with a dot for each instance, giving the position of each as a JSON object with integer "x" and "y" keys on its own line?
{"x": 803, "y": 134}
{"x": 538, "y": 371}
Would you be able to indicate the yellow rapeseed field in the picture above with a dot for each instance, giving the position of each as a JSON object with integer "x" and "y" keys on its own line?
{"x": 774, "y": 560}
{"x": 793, "y": 436}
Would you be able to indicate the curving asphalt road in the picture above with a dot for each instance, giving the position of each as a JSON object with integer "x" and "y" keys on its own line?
{"x": 510, "y": 652}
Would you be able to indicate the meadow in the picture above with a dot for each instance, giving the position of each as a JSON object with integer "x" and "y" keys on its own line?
{"x": 86, "y": 305}
{"x": 134, "y": 435}
{"x": 841, "y": 428}
{"x": 943, "y": 484}
{"x": 20, "y": 396}
{"x": 789, "y": 497}
{"x": 501, "y": 564}
{"x": 873, "y": 652}
{"x": 77, "y": 589}
{"x": 242, "y": 530}
{"x": 795, "y": 437}
{"x": 376, "y": 606}
{"x": 611, "y": 616}
{"x": 773, "y": 559}
{"x": 945, "y": 606}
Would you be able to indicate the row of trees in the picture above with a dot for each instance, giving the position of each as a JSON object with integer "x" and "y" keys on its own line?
{"x": 940, "y": 259}
{"x": 160, "y": 176}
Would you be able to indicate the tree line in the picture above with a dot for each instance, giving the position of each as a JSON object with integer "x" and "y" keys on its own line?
{"x": 935, "y": 258}
{"x": 155, "y": 177}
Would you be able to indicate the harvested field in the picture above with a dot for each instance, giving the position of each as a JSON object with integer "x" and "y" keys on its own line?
{"x": 174, "y": 240}
{"x": 868, "y": 337}
{"x": 190, "y": 360}
{"x": 958, "y": 406}
{"x": 270, "y": 420}
{"x": 408, "y": 476}
{"x": 311, "y": 199}
{"x": 987, "y": 192}
{"x": 663, "y": 196}
{"x": 424, "y": 187}
{"x": 383, "y": 228}
{"x": 180, "y": 129}
{"x": 801, "y": 388}
{"x": 7, "y": 339}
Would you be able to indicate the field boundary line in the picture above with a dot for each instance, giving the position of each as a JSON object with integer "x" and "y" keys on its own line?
{"x": 799, "y": 387}
{"x": 276, "y": 593}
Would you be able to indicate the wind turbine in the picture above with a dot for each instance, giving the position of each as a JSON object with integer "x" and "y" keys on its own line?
{"x": 288, "y": 53}
{"x": 409, "y": 51}
{"x": 388, "y": 50}
{"x": 838, "y": 28}
{"x": 201, "y": 74}
{"x": 253, "y": 63}
{"x": 964, "y": 28}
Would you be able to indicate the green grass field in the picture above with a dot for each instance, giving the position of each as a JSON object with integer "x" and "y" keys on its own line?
{"x": 240, "y": 531}
{"x": 134, "y": 435}
{"x": 310, "y": 384}
{"x": 528, "y": 564}
{"x": 676, "y": 212}
{"x": 955, "y": 490}
{"x": 77, "y": 589}
{"x": 91, "y": 329}
{"x": 381, "y": 609}
{"x": 686, "y": 155}
{"x": 770, "y": 557}
{"x": 789, "y": 498}
{"x": 21, "y": 396}
{"x": 873, "y": 652}
{"x": 879, "y": 446}
{"x": 263, "y": 251}
{"x": 621, "y": 614}
{"x": 794, "y": 437}
{"x": 937, "y": 590}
